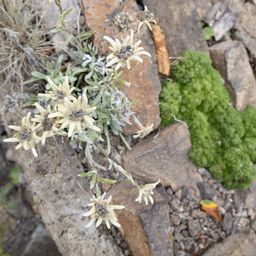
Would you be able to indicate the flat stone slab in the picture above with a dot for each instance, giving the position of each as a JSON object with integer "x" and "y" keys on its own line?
{"x": 143, "y": 77}
{"x": 164, "y": 157}
{"x": 179, "y": 21}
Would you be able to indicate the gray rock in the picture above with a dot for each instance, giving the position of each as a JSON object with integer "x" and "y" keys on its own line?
{"x": 204, "y": 173}
{"x": 227, "y": 223}
{"x": 245, "y": 27}
{"x": 5, "y": 165}
{"x": 41, "y": 244}
{"x": 242, "y": 223}
{"x": 238, "y": 201}
{"x": 175, "y": 204}
{"x": 254, "y": 226}
{"x": 179, "y": 21}
{"x": 239, "y": 244}
{"x": 206, "y": 191}
{"x": 221, "y": 19}
{"x": 175, "y": 220}
{"x": 17, "y": 238}
{"x": 236, "y": 6}
{"x": 232, "y": 61}
{"x": 250, "y": 202}
{"x": 194, "y": 227}
{"x": 202, "y": 7}
{"x": 50, "y": 13}
{"x": 164, "y": 157}
{"x": 156, "y": 224}
{"x": 198, "y": 214}
{"x": 6, "y": 222}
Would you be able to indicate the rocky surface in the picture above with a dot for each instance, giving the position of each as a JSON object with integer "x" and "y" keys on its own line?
{"x": 193, "y": 230}
{"x": 144, "y": 228}
{"x": 179, "y": 21}
{"x": 145, "y": 85}
{"x": 175, "y": 224}
{"x": 164, "y": 157}
{"x": 231, "y": 59}
{"x": 62, "y": 204}
{"x": 242, "y": 243}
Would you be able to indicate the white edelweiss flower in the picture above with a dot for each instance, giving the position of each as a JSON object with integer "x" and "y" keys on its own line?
{"x": 58, "y": 93}
{"x": 124, "y": 52}
{"x": 75, "y": 115}
{"x": 144, "y": 131}
{"x": 146, "y": 17}
{"x": 25, "y": 135}
{"x": 102, "y": 211}
{"x": 43, "y": 122}
{"x": 146, "y": 193}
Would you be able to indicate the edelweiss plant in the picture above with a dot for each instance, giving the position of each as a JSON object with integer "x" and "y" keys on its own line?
{"x": 146, "y": 193}
{"x": 145, "y": 17}
{"x": 124, "y": 52}
{"x": 75, "y": 115}
{"x": 85, "y": 104}
{"x": 25, "y": 135}
{"x": 57, "y": 93}
{"x": 48, "y": 126}
{"x": 102, "y": 211}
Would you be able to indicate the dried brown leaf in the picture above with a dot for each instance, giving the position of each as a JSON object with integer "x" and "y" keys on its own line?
{"x": 212, "y": 209}
{"x": 164, "y": 65}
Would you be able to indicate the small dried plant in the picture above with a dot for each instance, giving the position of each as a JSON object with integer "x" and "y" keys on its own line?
{"x": 24, "y": 46}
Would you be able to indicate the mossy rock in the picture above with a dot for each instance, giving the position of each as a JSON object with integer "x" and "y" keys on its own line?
{"x": 223, "y": 139}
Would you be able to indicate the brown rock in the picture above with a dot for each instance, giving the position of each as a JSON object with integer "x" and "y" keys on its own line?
{"x": 231, "y": 59}
{"x": 179, "y": 21}
{"x": 164, "y": 157}
{"x": 239, "y": 244}
{"x": 246, "y": 30}
{"x": 145, "y": 228}
{"x": 145, "y": 84}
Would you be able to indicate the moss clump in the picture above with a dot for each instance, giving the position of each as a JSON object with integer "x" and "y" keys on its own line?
{"x": 223, "y": 139}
